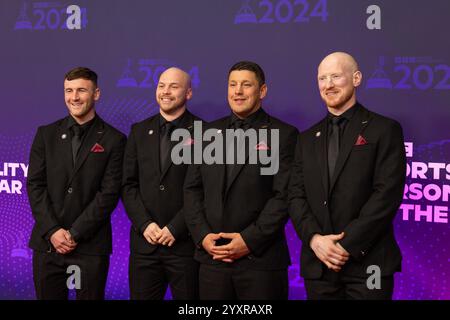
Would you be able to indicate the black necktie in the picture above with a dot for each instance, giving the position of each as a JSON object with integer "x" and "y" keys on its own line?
{"x": 76, "y": 141}
{"x": 333, "y": 143}
{"x": 237, "y": 124}
{"x": 165, "y": 145}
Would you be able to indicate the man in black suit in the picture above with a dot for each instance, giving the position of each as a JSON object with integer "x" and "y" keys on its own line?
{"x": 73, "y": 184}
{"x": 161, "y": 247}
{"x": 235, "y": 213}
{"x": 345, "y": 189}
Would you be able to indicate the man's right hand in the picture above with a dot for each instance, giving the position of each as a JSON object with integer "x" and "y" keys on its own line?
{"x": 210, "y": 241}
{"x": 62, "y": 241}
{"x": 328, "y": 251}
{"x": 152, "y": 233}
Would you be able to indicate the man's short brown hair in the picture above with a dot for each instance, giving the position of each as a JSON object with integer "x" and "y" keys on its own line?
{"x": 81, "y": 73}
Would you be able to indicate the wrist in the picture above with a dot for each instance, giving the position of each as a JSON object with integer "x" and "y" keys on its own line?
{"x": 313, "y": 240}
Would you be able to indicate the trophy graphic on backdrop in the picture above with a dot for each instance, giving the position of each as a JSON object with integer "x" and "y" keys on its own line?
{"x": 245, "y": 14}
{"x": 127, "y": 79}
{"x": 23, "y": 22}
{"x": 20, "y": 249}
{"x": 379, "y": 79}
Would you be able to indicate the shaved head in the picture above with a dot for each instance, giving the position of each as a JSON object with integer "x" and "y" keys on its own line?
{"x": 347, "y": 61}
{"x": 177, "y": 73}
{"x": 338, "y": 77}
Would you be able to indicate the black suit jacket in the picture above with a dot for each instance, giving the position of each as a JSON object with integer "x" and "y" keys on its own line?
{"x": 252, "y": 204}
{"x": 81, "y": 197}
{"x": 151, "y": 196}
{"x": 361, "y": 199}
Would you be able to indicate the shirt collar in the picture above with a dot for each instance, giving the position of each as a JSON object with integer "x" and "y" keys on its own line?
{"x": 71, "y": 122}
{"x": 252, "y": 119}
{"x": 347, "y": 115}
{"x": 176, "y": 122}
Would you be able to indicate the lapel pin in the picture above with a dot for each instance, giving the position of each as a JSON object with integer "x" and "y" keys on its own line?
{"x": 64, "y": 136}
{"x": 318, "y": 134}
{"x": 150, "y": 132}
{"x": 364, "y": 122}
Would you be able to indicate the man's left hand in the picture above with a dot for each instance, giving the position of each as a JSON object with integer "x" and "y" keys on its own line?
{"x": 342, "y": 248}
{"x": 166, "y": 238}
{"x": 232, "y": 251}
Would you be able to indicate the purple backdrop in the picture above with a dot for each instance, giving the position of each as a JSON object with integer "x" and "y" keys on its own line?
{"x": 401, "y": 46}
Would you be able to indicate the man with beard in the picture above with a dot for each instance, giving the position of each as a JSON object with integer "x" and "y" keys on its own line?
{"x": 161, "y": 247}
{"x": 346, "y": 187}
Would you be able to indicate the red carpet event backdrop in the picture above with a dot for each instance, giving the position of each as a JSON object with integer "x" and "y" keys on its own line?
{"x": 402, "y": 47}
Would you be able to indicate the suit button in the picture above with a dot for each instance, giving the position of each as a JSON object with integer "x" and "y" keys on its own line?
{"x": 161, "y": 187}
{"x": 69, "y": 190}
{"x": 325, "y": 203}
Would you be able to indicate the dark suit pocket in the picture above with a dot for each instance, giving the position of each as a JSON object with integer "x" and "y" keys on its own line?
{"x": 97, "y": 160}
{"x": 363, "y": 147}
{"x": 98, "y": 155}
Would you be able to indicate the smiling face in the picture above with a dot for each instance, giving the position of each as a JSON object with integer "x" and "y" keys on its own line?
{"x": 244, "y": 93}
{"x": 338, "y": 77}
{"x": 80, "y": 96}
{"x": 173, "y": 91}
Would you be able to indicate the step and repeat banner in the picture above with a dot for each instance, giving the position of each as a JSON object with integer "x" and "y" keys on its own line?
{"x": 402, "y": 47}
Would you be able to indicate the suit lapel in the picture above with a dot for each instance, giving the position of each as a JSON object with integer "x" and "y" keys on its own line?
{"x": 94, "y": 135}
{"x": 151, "y": 142}
{"x": 320, "y": 146}
{"x": 65, "y": 145}
{"x": 220, "y": 168}
{"x": 355, "y": 127}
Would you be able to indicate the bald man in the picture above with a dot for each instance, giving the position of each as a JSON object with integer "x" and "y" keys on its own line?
{"x": 345, "y": 189}
{"x": 161, "y": 249}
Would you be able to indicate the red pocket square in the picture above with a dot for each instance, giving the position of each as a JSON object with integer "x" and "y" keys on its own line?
{"x": 360, "y": 141}
{"x": 97, "y": 148}
{"x": 188, "y": 142}
{"x": 262, "y": 146}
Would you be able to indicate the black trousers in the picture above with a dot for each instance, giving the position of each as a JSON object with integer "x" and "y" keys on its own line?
{"x": 51, "y": 272}
{"x": 151, "y": 274}
{"x": 335, "y": 286}
{"x": 228, "y": 282}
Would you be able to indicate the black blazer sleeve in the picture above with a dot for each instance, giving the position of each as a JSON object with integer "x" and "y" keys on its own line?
{"x": 194, "y": 211}
{"x": 100, "y": 208}
{"x": 131, "y": 196}
{"x": 377, "y": 214}
{"x": 40, "y": 202}
{"x": 177, "y": 225}
{"x": 303, "y": 219}
{"x": 259, "y": 235}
